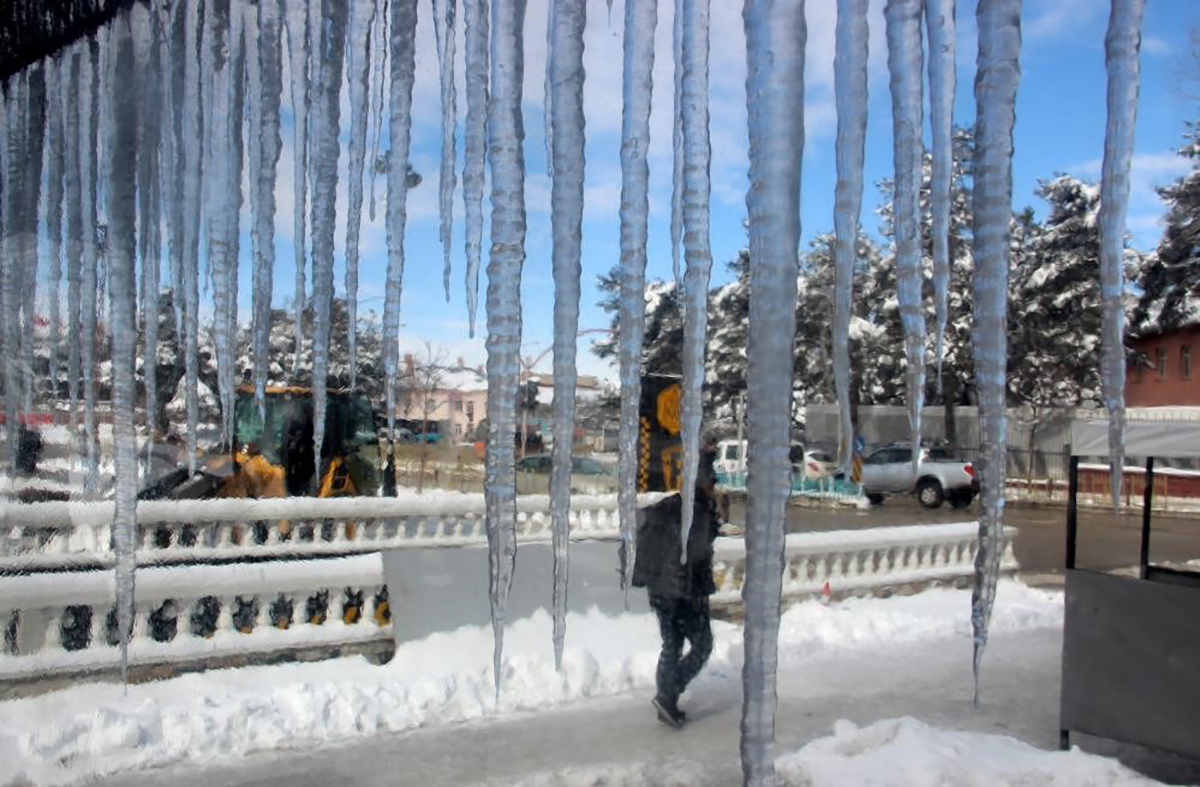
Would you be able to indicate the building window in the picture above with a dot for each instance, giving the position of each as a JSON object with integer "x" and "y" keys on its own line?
{"x": 457, "y": 403}
{"x": 458, "y": 430}
{"x": 1161, "y": 362}
{"x": 1185, "y": 362}
{"x": 471, "y": 412}
{"x": 1139, "y": 361}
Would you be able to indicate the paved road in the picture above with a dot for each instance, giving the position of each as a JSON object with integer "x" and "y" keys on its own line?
{"x": 1106, "y": 540}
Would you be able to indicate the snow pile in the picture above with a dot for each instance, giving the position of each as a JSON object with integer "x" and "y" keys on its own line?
{"x": 901, "y": 752}
{"x": 98, "y": 729}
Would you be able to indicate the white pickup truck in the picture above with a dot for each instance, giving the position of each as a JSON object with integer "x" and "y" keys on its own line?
{"x": 888, "y": 470}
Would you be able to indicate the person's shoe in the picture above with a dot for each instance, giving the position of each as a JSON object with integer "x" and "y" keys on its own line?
{"x": 668, "y": 712}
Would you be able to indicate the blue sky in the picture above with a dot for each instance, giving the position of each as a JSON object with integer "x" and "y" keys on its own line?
{"x": 1060, "y": 128}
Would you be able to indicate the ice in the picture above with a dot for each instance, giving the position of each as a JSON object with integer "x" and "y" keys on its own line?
{"x": 265, "y": 64}
{"x": 15, "y": 110}
{"x": 55, "y": 163}
{"x": 191, "y": 131}
{"x": 775, "y": 40}
{"x": 380, "y": 54}
{"x": 224, "y": 172}
{"x": 475, "y": 19}
{"x": 1121, "y": 46}
{"x": 73, "y": 186}
{"x": 403, "y": 34}
{"x": 940, "y": 28}
{"x": 147, "y": 53}
{"x": 641, "y": 18}
{"x": 506, "y": 135}
{"x": 697, "y": 153}
{"x": 850, "y": 87}
{"x": 121, "y": 192}
{"x": 548, "y": 93}
{"x": 443, "y": 27}
{"x": 997, "y": 74}
{"x": 174, "y": 158}
{"x": 298, "y": 27}
{"x": 677, "y": 139}
{"x": 31, "y": 236}
{"x": 358, "y": 63}
{"x": 326, "y": 117}
{"x": 903, "y": 19}
{"x": 566, "y": 204}
{"x": 91, "y": 80}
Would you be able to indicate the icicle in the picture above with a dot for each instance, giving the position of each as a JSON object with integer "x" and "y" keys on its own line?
{"x": 35, "y": 136}
{"x": 403, "y": 34}
{"x": 298, "y": 46}
{"x": 174, "y": 158}
{"x": 93, "y": 78}
{"x": 997, "y": 74}
{"x": 73, "y": 183}
{"x": 696, "y": 187}
{"x": 775, "y": 42}
{"x": 940, "y": 28}
{"x": 677, "y": 142}
{"x": 358, "y": 57}
{"x": 850, "y": 88}
{"x": 381, "y": 50}
{"x": 147, "y": 35}
{"x": 1121, "y": 45}
{"x": 326, "y": 120}
{"x": 566, "y": 205}
{"x": 16, "y": 112}
{"x": 190, "y": 142}
{"x": 641, "y": 18}
{"x": 475, "y": 18}
{"x": 122, "y": 150}
{"x": 55, "y": 163}
{"x": 443, "y": 25}
{"x": 266, "y": 86}
{"x": 506, "y": 135}
{"x": 224, "y": 167}
{"x": 548, "y": 94}
{"x": 904, "y": 63}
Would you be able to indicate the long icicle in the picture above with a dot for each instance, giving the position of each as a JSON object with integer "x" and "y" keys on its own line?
{"x": 566, "y": 205}
{"x": 775, "y": 42}
{"x": 443, "y": 25}
{"x": 475, "y": 18}
{"x": 402, "y": 68}
{"x": 74, "y": 229}
{"x": 298, "y": 57}
{"x": 267, "y": 82}
{"x": 89, "y": 109}
{"x": 55, "y": 176}
{"x": 697, "y": 184}
{"x": 506, "y": 135}
{"x": 35, "y": 136}
{"x": 1121, "y": 45}
{"x": 997, "y": 74}
{"x": 121, "y": 190}
{"x": 903, "y": 19}
{"x": 677, "y": 141}
{"x": 326, "y": 123}
{"x": 850, "y": 94}
{"x": 940, "y": 29}
{"x": 358, "y": 64}
{"x": 191, "y": 142}
{"x": 174, "y": 158}
{"x": 16, "y": 110}
{"x": 380, "y": 82}
{"x": 147, "y": 36}
{"x": 641, "y": 18}
{"x": 548, "y": 93}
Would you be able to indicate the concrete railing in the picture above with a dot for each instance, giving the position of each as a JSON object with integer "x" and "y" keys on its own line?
{"x": 63, "y": 623}
{"x": 857, "y": 560}
{"x": 42, "y": 536}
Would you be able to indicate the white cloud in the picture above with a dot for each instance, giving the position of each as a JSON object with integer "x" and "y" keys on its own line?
{"x": 1060, "y": 16}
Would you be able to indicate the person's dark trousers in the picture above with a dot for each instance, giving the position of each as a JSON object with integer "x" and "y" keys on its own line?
{"x": 681, "y": 619}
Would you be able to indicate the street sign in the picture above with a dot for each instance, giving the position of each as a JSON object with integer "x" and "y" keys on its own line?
{"x": 860, "y": 444}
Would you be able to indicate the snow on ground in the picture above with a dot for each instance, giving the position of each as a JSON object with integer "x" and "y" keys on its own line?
{"x": 96, "y": 729}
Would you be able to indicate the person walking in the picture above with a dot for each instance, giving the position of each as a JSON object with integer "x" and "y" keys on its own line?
{"x": 679, "y": 591}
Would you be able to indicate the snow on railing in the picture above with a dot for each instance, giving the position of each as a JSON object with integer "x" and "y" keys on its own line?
{"x": 63, "y": 623}
{"x": 53, "y": 535}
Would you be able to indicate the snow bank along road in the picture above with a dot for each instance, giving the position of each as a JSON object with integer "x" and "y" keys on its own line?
{"x": 431, "y": 717}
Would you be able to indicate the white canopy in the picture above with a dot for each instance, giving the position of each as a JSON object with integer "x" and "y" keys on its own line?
{"x": 1160, "y": 439}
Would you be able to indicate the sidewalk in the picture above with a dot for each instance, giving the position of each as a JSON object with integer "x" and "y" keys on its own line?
{"x": 619, "y": 736}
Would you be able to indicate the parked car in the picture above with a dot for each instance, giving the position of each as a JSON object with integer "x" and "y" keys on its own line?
{"x": 588, "y": 477}
{"x": 888, "y": 470}
{"x": 730, "y": 464}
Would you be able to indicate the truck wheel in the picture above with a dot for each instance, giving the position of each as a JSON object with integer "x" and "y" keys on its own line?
{"x": 961, "y": 499}
{"x": 929, "y": 492}
{"x": 875, "y": 498}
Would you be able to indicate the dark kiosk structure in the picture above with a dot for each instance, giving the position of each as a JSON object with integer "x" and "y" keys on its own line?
{"x": 1131, "y": 645}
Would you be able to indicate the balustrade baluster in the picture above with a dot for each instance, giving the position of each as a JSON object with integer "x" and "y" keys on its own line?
{"x": 52, "y": 636}
{"x": 225, "y": 614}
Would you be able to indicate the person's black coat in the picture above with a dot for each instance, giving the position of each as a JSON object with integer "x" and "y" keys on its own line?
{"x": 657, "y": 566}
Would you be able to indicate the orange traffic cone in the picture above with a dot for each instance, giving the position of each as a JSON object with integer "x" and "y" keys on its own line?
{"x": 826, "y": 593}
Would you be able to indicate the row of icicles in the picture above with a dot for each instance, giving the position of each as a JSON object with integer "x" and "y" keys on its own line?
{"x": 146, "y": 128}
